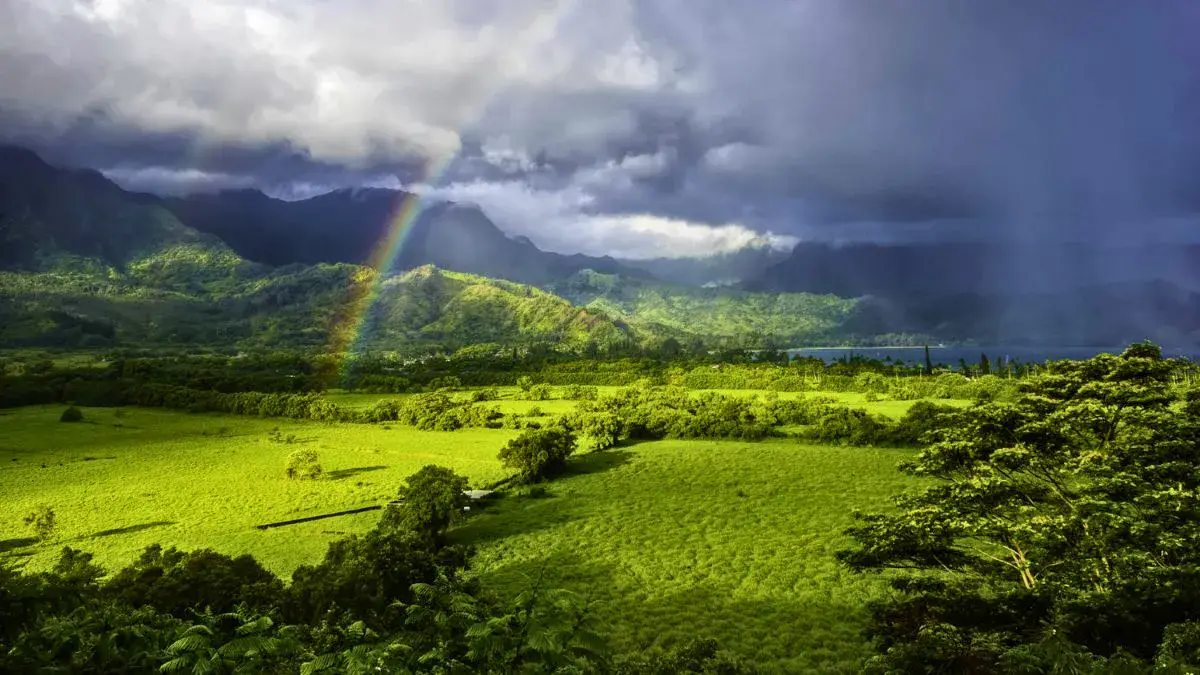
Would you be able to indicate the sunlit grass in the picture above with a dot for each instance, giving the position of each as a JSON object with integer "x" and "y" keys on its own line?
{"x": 676, "y": 539}
{"x": 666, "y": 540}
{"x": 118, "y": 484}
{"x": 510, "y": 403}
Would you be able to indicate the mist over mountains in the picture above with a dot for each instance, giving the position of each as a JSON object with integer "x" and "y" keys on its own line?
{"x": 348, "y": 225}
{"x": 990, "y": 267}
{"x": 244, "y": 247}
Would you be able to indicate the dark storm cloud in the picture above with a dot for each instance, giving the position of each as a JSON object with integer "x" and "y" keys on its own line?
{"x": 813, "y": 117}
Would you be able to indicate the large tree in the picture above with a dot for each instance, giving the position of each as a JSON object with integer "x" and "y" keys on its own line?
{"x": 1059, "y": 528}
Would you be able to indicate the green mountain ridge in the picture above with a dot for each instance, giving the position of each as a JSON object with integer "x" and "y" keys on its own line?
{"x": 681, "y": 311}
{"x": 86, "y": 264}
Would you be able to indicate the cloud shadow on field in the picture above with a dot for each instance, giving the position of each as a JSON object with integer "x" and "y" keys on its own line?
{"x": 596, "y": 462}
{"x": 129, "y": 529}
{"x": 793, "y": 632}
{"x": 341, "y": 474}
{"x": 516, "y": 514}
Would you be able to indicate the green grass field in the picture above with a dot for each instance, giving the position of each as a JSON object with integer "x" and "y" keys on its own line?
{"x": 733, "y": 541}
{"x": 149, "y": 476}
{"x": 508, "y": 403}
{"x": 666, "y": 540}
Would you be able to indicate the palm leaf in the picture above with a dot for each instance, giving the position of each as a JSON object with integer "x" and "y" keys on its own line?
{"x": 322, "y": 662}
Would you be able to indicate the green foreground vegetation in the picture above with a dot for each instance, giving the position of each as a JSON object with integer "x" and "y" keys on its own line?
{"x": 731, "y": 541}
{"x": 723, "y": 517}
{"x": 654, "y": 536}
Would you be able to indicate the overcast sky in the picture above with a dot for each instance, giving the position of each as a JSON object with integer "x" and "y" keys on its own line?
{"x": 639, "y": 127}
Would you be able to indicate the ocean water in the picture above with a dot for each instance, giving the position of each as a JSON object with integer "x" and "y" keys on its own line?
{"x": 950, "y": 356}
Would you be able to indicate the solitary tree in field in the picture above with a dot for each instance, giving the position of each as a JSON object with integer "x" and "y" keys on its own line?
{"x": 41, "y": 521}
{"x": 431, "y": 499}
{"x": 303, "y": 464}
{"x": 538, "y": 454}
{"x": 71, "y": 414}
{"x": 1059, "y": 528}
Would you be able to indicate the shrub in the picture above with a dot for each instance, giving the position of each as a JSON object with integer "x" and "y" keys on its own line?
{"x": 525, "y": 383}
{"x": 922, "y": 419}
{"x": 481, "y": 395}
{"x": 848, "y": 426}
{"x": 71, "y": 414}
{"x": 41, "y": 521}
{"x": 303, "y": 464}
{"x": 602, "y": 428}
{"x": 538, "y": 454}
{"x": 175, "y": 582}
{"x": 578, "y": 392}
{"x": 431, "y": 499}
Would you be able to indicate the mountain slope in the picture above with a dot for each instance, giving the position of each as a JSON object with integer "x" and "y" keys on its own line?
{"x": 346, "y": 225}
{"x": 53, "y": 219}
{"x": 456, "y": 309}
{"x": 786, "y": 318}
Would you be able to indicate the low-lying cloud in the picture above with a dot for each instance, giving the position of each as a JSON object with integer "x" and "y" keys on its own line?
{"x": 560, "y": 221}
{"x": 638, "y": 120}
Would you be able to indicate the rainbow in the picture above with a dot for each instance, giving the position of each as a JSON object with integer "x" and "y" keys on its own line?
{"x": 349, "y": 332}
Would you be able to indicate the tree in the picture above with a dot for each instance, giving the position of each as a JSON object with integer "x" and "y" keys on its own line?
{"x": 1068, "y": 515}
{"x": 175, "y": 582}
{"x": 71, "y": 414}
{"x": 303, "y": 464}
{"x": 432, "y": 498}
{"x": 603, "y": 428}
{"x": 670, "y": 348}
{"x": 41, "y": 521}
{"x": 538, "y": 454}
{"x": 525, "y": 382}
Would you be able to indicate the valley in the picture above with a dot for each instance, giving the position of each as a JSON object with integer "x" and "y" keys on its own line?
{"x": 681, "y": 471}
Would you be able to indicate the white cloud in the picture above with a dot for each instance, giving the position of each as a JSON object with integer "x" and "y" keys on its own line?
{"x": 175, "y": 181}
{"x": 560, "y": 221}
{"x": 743, "y": 108}
{"x": 340, "y": 80}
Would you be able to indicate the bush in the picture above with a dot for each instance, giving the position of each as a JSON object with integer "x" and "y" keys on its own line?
{"x": 577, "y": 392}
{"x": 922, "y": 419}
{"x": 431, "y": 499}
{"x": 537, "y": 392}
{"x": 41, "y": 521}
{"x": 848, "y": 426}
{"x": 538, "y": 454}
{"x": 71, "y": 414}
{"x": 175, "y": 582}
{"x": 303, "y": 464}
{"x": 602, "y": 428}
{"x": 481, "y": 395}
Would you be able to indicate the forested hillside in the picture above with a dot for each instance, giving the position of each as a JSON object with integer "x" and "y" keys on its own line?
{"x": 87, "y": 264}
{"x": 679, "y": 311}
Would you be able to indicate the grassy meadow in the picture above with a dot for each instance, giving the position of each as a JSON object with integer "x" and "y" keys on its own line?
{"x": 129, "y": 477}
{"x": 510, "y": 403}
{"x": 727, "y": 540}
{"x": 665, "y": 540}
